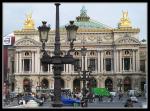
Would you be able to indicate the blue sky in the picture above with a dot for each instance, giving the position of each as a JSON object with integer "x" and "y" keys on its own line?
{"x": 106, "y": 13}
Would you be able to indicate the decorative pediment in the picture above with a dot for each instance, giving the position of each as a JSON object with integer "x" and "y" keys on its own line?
{"x": 27, "y": 42}
{"x": 127, "y": 40}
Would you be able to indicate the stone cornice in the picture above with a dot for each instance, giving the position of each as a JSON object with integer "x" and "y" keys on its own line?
{"x": 127, "y": 30}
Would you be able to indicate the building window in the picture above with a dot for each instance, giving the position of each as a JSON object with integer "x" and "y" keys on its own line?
{"x": 108, "y": 64}
{"x": 45, "y": 67}
{"x": 142, "y": 65}
{"x": 92, "y": 63}
{"x": 126, "y": 52}
{"x": 26, "y": 54}
{"x": 27, "y": 65}
{"x": 76, "y": 53}
{"x": 77, "y": 64}
{"x": 92, "y": 53}
{"x": 126, "y": 63}
{"x": 107, "y": 52}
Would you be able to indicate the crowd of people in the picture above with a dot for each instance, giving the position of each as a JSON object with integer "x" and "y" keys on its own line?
{"x": 78, "y": 95}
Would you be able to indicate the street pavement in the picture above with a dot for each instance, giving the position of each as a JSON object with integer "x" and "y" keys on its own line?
{"x": 105, "y": 104}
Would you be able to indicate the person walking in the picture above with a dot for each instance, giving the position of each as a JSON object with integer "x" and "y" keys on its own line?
{"x": 128, "y": 103}
{"x": 120, "y": 95}
{"x": 111, "y": 98}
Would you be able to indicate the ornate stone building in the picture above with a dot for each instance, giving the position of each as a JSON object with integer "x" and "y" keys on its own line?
{"x": 116, "y": 55}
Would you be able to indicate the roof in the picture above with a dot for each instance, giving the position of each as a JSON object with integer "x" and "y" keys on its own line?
{"x": 84, "y": 21}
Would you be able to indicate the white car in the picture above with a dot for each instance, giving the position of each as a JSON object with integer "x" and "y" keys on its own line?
{"x": 113, "y": 94}
{"x": 134, "y": 99}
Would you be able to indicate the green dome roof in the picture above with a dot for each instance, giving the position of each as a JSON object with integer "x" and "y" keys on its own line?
{"x": 84, "y": 21}
{"x": 90, "y": 24}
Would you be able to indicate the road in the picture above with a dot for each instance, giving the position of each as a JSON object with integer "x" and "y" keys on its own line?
{"x": 116, "y": 103}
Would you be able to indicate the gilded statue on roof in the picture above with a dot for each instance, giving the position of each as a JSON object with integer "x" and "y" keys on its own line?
{"x": 124, "y": 21}
{"x": 29, "y": 23}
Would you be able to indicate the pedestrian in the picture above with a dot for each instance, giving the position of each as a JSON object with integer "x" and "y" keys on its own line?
{"x": 120, "y": 95}
{"x": 111, "y": 98}
{"x": 128, "y": 103}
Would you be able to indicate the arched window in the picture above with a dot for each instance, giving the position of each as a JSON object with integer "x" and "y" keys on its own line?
{"x": 26, "y": 53}
{"x": 76, "y": 53}
{"x": 92, "y": 53}
{"x": 107, "y": 52}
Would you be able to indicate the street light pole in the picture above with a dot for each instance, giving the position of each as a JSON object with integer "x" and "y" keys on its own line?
{"x": 57, "y": 60}
{"x": 84, "y": 77}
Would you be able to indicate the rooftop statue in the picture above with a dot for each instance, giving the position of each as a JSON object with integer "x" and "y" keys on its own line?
{"x": 124, "y": 21}
{"x": 29, "y": 23}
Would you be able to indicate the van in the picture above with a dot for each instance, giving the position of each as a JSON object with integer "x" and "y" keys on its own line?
{"x": 134, "y": 93}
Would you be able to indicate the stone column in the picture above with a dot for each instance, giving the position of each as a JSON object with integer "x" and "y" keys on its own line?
{"x": 38, "y": 61}
{"x": 133, "y": 61}
{"x": 123, "y": 64}
{"x": 71, "y": 84}
{"x": 86, "y": 61}
{"x": 104, "y": 59}
{"x": 16, "y": 62}
{"x": 67, "y": 65}
{"x": 30, "y": 68}
{"x": 33, "y": 62}
{"x": 102, "y": 64}
{"x": 130, "y": 65}
{"x": 117, "y": 57}
{"x": 82, "y": 63}
{"x": 48, "y": 67}
{"x": 98, "y": 61}
{"x": 70, "y": 67}
{"x": 20, "y": 64}
{"x": 137, "y": 61}
{"x": 120, "y": 60}
{"x": 23, "y": 65}
{"x": 51, "y": 65}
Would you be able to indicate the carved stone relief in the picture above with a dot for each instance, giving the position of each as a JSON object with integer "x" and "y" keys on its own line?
{"x": 91, "y": 37}
{"x": 107, "y": 37}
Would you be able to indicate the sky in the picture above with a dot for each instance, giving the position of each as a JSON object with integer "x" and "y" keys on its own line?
{"x": 106, "y": 13}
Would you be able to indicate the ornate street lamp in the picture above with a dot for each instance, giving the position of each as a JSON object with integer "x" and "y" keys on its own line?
{"x": 57, "y": 60}
{"x": 85, "y": 76}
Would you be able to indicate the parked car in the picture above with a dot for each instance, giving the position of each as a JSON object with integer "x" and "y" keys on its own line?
{"x": 134, "y": 93}
{"x": 28, "y": 98}
{"x": 70, "y": 101}
{"x": 13, "y": 95}
{"x": 134, "y": 99}
{"x": 113, "y": 93}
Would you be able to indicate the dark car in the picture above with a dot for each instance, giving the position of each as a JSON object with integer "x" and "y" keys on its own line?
{"x": 28, "y": 98}
{"x": 70, "y": 101}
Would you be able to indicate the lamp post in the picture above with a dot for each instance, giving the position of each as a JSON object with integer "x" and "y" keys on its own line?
{"x": 57, "y": 60}
{"x": 85, "y": 76}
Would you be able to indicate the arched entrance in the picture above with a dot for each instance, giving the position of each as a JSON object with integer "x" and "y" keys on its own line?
{"x": 45, "y": 83}
{"x": 142, "y": 84}
{"x": 127, "y": 84}
{"x": 26, "y": 85}
{"x": 76, "y": 85}
{"x": 109, "y": 84}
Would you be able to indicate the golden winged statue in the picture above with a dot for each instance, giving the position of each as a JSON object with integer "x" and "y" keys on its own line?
{"x": 29, "y": 23}
{"x": 124, "y": 21}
